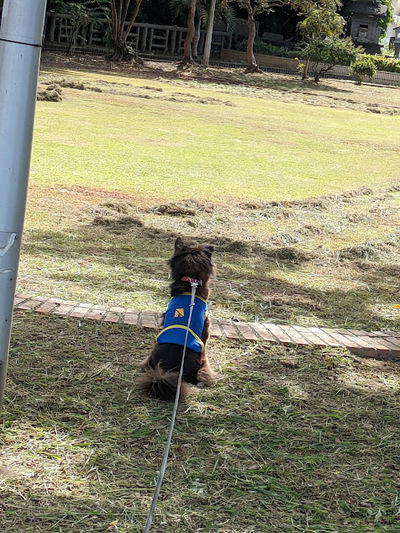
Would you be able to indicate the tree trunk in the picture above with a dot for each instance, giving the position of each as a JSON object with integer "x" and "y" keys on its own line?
{"x": 187, "y": 47}
{"x": 251, "y": 60}
{"x": 196, "y": 38}
{"x": 304, "y": 75}
{"x": 74, "y": 39}
{"x": 132, "y": 21}
{"x": 210, "y": 27}
{"x": 121, "y": 49}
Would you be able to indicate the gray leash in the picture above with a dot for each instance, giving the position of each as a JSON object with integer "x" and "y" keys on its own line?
{"x": 150, "y": 516}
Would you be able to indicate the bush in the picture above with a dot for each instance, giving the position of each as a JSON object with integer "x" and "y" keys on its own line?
{"x": 261, "y": 47}
{"x": 364, "y": 67}
{"x": 387, "y": 64}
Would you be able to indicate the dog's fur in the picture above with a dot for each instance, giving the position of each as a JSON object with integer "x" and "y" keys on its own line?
{"x": 163, "y": 364}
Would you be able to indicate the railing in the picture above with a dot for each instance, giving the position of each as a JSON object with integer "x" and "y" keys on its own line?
{"x": 149, "y": 38}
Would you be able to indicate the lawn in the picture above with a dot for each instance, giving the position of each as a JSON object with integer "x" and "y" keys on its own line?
{"x": 289, "y": 440}
{"x": 295, "y": 184}
{"x": 297, "y": 188}
{"x": 166, "y": 140}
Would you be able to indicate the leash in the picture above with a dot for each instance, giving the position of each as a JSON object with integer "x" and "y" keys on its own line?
{"x": 194, "y": 284}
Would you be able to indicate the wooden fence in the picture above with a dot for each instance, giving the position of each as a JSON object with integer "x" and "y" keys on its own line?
{"x": 147, "y": 38}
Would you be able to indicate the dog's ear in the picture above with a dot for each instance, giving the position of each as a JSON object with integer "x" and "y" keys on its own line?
{"x": 208, "y": 250}
{"x": 179, "y": 244}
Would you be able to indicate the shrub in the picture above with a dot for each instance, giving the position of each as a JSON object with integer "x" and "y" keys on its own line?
{"x": 261, "y": 47}
{"x": 388, "y": 64}
{"x": 327, "y": 52}
{"x": 364, "y": 67}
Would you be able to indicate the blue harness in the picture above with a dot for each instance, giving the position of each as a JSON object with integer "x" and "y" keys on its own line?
{"x": 176, "y": 322}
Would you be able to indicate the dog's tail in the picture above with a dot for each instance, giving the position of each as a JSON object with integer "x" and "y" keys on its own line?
{"x": 162, "y": 385}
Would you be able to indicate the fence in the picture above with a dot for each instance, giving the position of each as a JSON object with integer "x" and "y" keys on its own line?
{"x": 147, "y": 38}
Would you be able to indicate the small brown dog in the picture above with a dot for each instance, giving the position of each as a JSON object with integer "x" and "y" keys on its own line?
{"x": 163, "y": 364}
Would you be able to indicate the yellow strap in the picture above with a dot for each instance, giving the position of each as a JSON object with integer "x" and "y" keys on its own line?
{"x": 185, "y": 328}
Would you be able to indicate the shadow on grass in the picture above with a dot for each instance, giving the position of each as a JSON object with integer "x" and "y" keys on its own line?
{"x": 122, "y": 255}
{"x": 288, "y": 440}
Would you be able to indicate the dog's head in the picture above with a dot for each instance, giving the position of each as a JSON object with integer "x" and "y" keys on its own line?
{"x": 194, "y": 262}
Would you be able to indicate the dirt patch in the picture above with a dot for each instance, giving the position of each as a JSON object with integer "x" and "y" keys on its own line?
{"x": 13, "y": 472}
{"x": 92, "y": 192}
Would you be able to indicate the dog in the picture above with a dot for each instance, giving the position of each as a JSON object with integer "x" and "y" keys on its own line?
{"x": 162, "y": 366}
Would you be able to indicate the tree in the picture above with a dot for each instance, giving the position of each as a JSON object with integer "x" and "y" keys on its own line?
{"x": 121, "y": 15}
{"x": 195, "y": 12}
{"x": 121, "y": 23}
{"x": 217, "y": 10}
{"x": 321, "y": 20}
{"x": 184, "y": 10}
{"x": 187, "y": 45}
{"x": 206, "y": 12}
{"x": 326, "y": 52}
{"x": 387, "y": 18}
{"x": 210, "y": 28}
{"x": 254, "y": 8}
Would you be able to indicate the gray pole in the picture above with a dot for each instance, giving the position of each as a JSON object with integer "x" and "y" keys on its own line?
{"x": 210, "y": 27}
{"x": 20, "y": 45}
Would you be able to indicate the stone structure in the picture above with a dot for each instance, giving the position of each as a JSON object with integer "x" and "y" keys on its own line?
{"x": 396, "y": 42}
{"x": 364, "y": 29}
{"x": 394, "y": 24}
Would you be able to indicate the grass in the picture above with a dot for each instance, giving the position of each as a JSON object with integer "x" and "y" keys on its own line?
{"x": 331, "y": 261}
{"x": 144, "y": 140}
{"x": 288, "y": 440}
{"x": 295, "y": 185}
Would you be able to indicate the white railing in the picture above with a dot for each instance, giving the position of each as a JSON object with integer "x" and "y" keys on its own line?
{"x": 149, "y": 38}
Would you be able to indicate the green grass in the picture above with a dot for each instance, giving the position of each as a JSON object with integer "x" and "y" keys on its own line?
{"x": 198, "y": 146}
{"x": 288, "y": 440}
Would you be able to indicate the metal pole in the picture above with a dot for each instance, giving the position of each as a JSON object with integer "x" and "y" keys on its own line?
{"x": 20, "y": 45}
{"x": 209, "y": 35}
